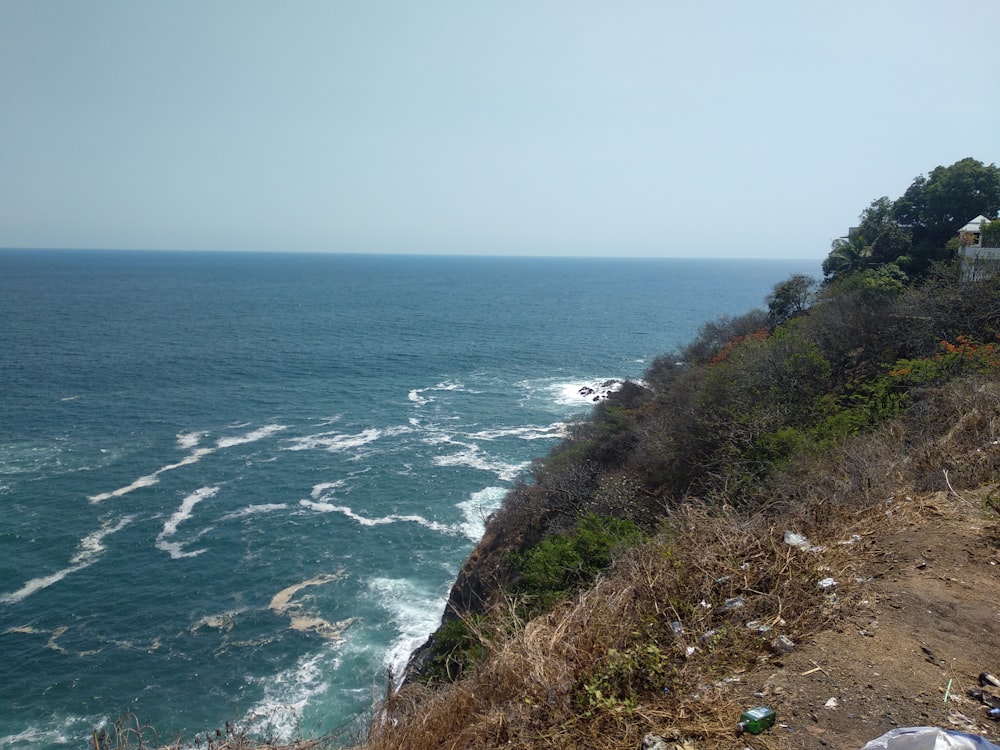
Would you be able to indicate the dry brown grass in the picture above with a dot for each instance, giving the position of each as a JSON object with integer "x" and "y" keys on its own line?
{"x": 539, "y": 685}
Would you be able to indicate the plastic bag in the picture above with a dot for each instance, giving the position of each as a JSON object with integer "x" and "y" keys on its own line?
{"x": 929, "y": 738}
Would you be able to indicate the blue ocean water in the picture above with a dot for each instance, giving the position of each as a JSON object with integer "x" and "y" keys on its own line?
{"x": 237, "y": 487}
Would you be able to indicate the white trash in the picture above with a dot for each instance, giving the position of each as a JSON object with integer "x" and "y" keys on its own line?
{"x": 792, "y": 539}
{"x": 929, "y": 738}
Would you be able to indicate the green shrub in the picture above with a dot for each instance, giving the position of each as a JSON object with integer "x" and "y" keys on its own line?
{"x": 616, "y": 682}
{"x": 868, "y": 403}
{"x": 455, "y": 648}
{"x": 563, "y": 563}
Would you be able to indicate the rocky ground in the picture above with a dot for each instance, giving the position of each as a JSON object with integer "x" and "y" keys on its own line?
{"x": 911, "y": 639}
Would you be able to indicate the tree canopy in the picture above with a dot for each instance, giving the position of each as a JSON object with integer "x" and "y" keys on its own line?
{"x": 914, "y": 230}
{"x": 991, "y": 234}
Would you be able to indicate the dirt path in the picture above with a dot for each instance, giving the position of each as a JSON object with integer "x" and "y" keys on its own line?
{"x": 926, "y": 616}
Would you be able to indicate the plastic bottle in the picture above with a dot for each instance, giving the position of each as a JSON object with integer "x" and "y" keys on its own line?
{"x": 756, "y": 720}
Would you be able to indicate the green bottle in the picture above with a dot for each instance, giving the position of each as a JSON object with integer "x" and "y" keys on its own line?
{"x": 756, "y": 720}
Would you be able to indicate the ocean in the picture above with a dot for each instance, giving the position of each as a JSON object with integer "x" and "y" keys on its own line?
{"x": 237, "y": 487}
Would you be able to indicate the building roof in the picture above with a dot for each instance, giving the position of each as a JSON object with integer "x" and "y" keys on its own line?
{"x": 975, "y": 225}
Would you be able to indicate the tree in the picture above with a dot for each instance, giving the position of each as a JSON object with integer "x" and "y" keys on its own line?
{"x": 847, "y": 255}
{"x": 882, "y": 232}
{"x": 991, "y": 234}
{"x": 789, "y": 298}
{"x": 934, "y": 207}
{"x": 914, "y": 230}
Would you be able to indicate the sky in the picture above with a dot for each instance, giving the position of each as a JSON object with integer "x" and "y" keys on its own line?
{"x": 734, "y": 128}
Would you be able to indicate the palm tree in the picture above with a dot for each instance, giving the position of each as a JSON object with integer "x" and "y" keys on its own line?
{"x": 847, "y": 255}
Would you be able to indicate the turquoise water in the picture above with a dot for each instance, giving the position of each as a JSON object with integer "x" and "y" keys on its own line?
{"x": 237, "y": 487}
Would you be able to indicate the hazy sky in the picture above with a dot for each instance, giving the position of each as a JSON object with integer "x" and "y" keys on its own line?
{"x": 754, "y": 128}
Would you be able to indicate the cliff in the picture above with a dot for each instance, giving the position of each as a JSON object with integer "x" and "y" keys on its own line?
{"x": 867, "y": 426}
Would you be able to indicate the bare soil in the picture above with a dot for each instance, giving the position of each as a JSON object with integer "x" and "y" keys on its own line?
{"x": 916, "y": 625}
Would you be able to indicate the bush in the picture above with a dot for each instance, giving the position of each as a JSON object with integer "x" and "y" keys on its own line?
{"x": 715, "y": 335}
{"x": 561, "y": 564}
{"x": 455, "y": 648}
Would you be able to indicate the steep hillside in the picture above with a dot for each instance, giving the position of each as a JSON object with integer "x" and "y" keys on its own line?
{"x": 867, "y": 422}
{"x": 892, "y": 602}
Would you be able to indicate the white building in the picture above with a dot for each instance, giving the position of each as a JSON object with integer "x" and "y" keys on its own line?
{"x": 977, "y": 262}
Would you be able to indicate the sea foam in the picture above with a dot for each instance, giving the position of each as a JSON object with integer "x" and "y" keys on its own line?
{"x": 478, "y": 508}
{"x": 584, "y": 392}
{"x": 334, "y": 442}
{"x": 188, "y": 440}
{"x": 90, "y": 548}
{"x": 323, "y": 507}
{"x": 250, "y": 437}
{"x": 415, "y": 613}
{"x": 278, "y": 714}
{"x": 319, "y": 490}
{"x": 530, "y": 432}
{"x": 185, "y": 440}
{"x": 473, "y": 458}
{"x": 253, "y": 510}
{"x": 150, "y": 479}
{"x": 184, "y": 512}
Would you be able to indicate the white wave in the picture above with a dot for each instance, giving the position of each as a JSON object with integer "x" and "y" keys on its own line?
{"x": 188, "y": 440}
{"x": 35, "y": 737}
{"x": 321, "y": 489}
{"x": 344, "y": 510}
{"x": 472, "y": 458}
{"x": 147, "y": 481}
{"x": 88, "y": 551}
{"x": 192, "y": 458}
{"x": 253, "y": 510}
{"x": 552, "y": 431}
{"x": 415, "y": 612}
{"x": 250, "y": 437}
{"x": 334, "y": 442}
{"x": 184, "y": 512}
{"x": 417, "y": 397}
{"x": 576, "y": 394}
{"x": 150, "y": 479}
{"x": 337, "y": 442}
{"x": 477, "y": 508}
{"x": 584, "y": 392}
{"x": 187, "y": 506}
{"x": 279, "y": 713}
{"x": 439, "y": 437}
{"x": 92, "y": 545}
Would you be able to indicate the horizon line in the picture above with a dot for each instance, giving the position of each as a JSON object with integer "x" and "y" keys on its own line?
{"x": 442, "y": 254}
